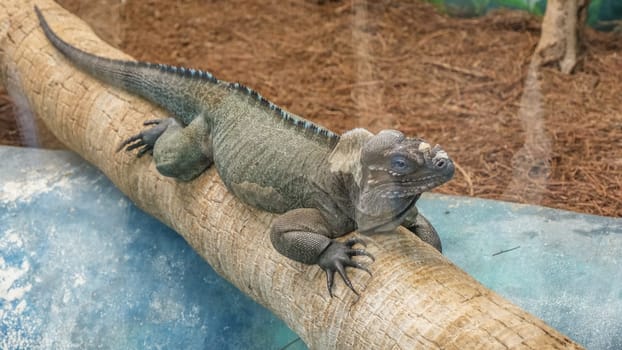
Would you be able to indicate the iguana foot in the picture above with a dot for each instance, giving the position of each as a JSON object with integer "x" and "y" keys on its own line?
{"x": 337, "y": 257}
{"x": 305, "y": 236}
{"x": 146, "y": 138}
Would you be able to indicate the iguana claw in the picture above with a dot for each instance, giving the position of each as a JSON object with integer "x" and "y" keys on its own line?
{"x": 337, "y": 257}
{"x": 146, "y": 138}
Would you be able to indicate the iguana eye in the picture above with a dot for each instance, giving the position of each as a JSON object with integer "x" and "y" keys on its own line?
{"x": 399, "y": 163}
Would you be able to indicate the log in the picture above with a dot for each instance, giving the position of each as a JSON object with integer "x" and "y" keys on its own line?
{"x": 416, "y": 298}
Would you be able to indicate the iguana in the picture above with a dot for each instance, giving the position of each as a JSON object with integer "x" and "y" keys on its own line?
{"x": 324, "y": 185}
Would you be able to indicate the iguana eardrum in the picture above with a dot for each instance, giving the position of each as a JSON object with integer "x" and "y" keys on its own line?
{"x": 323, "y": 184}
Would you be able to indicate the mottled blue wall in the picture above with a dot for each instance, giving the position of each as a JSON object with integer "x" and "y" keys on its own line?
{"x": 599, "y": 12}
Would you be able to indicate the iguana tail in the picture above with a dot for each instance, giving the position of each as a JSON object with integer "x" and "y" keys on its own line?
{"x": 185, "y": 93}
{"x": 173, "y": 88}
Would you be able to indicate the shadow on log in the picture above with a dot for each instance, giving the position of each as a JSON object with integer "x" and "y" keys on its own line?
{"x": 415, "y": 299}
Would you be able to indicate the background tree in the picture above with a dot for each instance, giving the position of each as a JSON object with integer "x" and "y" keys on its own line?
{"x": 561, "y": 39}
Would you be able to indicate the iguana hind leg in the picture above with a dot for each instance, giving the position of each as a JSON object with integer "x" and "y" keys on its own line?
{"x": 179, "y": 152}
{"x": 304, "y": 235}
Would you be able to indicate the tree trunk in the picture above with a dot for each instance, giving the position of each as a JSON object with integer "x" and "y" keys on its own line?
{"x": 415, "y": 299}
{"x": 561, "y": 38}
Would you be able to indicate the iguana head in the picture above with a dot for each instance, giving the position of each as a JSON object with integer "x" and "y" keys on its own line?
{"x": 392, "y": 171}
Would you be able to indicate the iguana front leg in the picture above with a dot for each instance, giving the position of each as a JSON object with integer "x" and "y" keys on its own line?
{"x": 179, "y": 152}
{"x": 421, "y": 227}
{"x": 304, "y": 235}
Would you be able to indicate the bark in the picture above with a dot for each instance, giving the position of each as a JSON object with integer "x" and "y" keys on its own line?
{"x": 415, "y": 299}
{"x": 562, "y": 27}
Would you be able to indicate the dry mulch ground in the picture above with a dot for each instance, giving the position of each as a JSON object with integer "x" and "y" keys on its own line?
{"x": 389, "y": 64}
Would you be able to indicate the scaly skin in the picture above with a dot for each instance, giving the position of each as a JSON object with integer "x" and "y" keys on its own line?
{"x": 323, "y": 185}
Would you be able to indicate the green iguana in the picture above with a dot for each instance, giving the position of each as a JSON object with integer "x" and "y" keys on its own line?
{"x": 324, "y": 185}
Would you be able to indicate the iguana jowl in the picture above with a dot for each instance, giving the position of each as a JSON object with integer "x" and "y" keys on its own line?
{"x": 324, "y": 185}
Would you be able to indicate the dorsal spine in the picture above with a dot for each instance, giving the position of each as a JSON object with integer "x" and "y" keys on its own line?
{"x": 303, "y": 124}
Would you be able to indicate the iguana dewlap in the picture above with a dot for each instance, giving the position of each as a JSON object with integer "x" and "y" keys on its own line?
{"x": 324, "y": 185}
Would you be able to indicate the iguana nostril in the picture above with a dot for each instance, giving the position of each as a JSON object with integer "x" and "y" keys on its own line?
{"x": 440, "y": 163}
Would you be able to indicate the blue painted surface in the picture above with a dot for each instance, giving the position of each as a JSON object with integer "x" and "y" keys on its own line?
{"x": 565, "y": 267}
{"x": 81, "y": 267}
